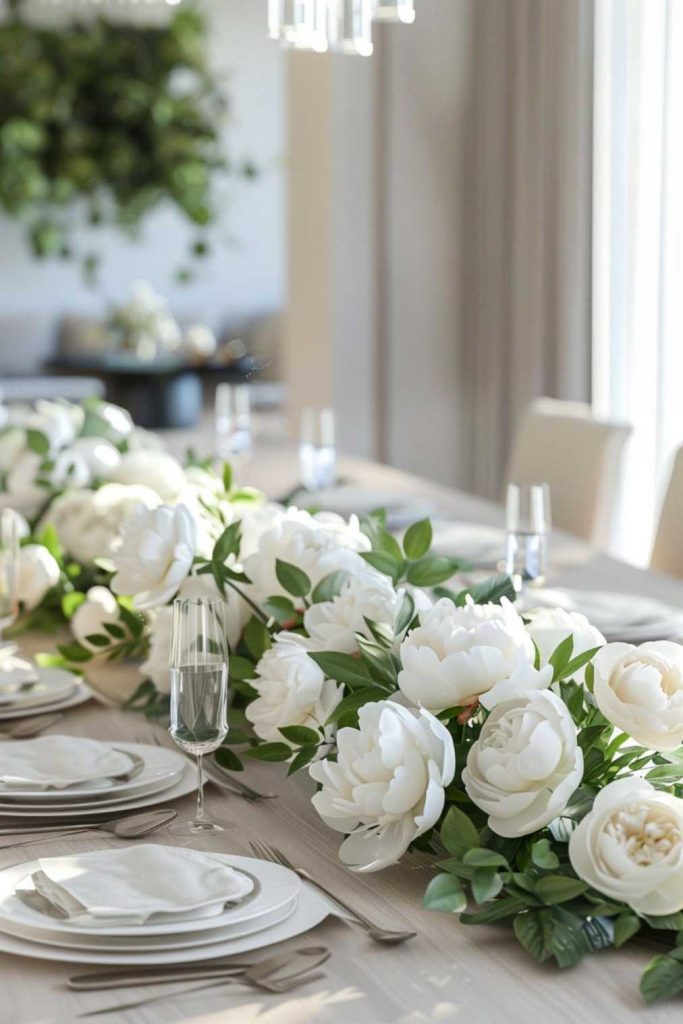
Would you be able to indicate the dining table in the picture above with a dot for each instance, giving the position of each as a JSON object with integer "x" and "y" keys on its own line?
{"x": 448, "y": 971}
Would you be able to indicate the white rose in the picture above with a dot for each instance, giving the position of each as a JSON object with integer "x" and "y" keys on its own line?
{"x": 38, "y": 573}
{"x": 100, "y": 456}
{"x": 154, "y": 554}
{"x": 386, "y": 787}
{"x": 550, "y": 626}
{"x": 89, "y": 523}
{"x": 332, "y": 625}
{"x": 318, "y": 545}
{"x": 100, "y": 607}
{"x": 525, "y": 765}
{"x": 630, "y": 847}
{"x": 292, "y": 690}
{"x": 457, "y": 654}
{"x": 161, "y": 472}
{"x": 640, "y": 690}
{"x": 60, "y": 422}
{"x": 22, "y": 493}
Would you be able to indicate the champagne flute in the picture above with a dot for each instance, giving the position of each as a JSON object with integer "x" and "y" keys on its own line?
{"x": 9, "y": 568}
{"x": 199, "y": 693}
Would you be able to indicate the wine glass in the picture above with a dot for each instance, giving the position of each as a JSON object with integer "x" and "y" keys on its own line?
{"x": 317, "y": 454}
{"x": 199, "y": 692}
{"x": 232, "y": 423}
{"x": 527, "y": 528}
{"x": 9, "y": 568}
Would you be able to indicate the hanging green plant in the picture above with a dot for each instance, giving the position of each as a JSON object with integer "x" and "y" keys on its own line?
{"x": 101, "y": 123}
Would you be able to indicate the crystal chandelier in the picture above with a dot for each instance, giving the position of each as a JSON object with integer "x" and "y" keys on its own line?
{"x": 342, "y": 26}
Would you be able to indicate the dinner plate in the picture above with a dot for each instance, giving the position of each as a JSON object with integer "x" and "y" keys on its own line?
{"x": 160, "y": 763}
{"x": 187, "y": 783}
{"x": 53, "y": 684}
{"x": 81, "y": 694}
{"x": 618, "y": 616}
{"x": 276, "y": 887}
{"x": 310, "y": 911}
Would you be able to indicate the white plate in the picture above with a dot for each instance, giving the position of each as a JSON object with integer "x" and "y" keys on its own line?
{"x": 159, "y": 763}
{"x": 53, "y": 684}
{"x": 401, "y": 509}
{"x": 187, "y": 783}
{"x": 619, "y": 616}
{"x": 311, "y": 910}
{"x": 276, "y": 887}
{"x": 79, "y": 696}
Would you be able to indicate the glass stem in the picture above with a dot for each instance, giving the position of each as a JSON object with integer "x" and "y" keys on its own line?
{"x": 201, "y": 813}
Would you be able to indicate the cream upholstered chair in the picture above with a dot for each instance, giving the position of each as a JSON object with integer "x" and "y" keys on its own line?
{"x": 667, "y": 552}
{"x": 580, "y": 457}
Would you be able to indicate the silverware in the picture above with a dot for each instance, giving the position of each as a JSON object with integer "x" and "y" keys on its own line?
{"x": 29, "y": 727}
{"x": 127, "y": 978}
{"x": 262, "y": 975}
{"x": 381, "y": 935}
{"x": 216, "y": 774}
{"x": 132, "y": 826}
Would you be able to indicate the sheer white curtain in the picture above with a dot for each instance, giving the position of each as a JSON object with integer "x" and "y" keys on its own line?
{"x": 638, "y": 245}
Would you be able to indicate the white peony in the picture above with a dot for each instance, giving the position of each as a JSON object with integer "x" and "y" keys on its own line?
{"x": 100, "y": 607}
{"x": 89, "y": 523}
{"x": 154, "y": 554}
{"x": 640, "y": 690}
{"x": 386, "y": 787}
{"x": 524, "y": 680}
{"x": 21, "y": 491}
{"x": 38, "y": 572}
{"x": 70, "y": 470}
{"x": 100, "y": 456}
{"x": 550, "y": 626}
{"x": 457, "y": 654}
{"x": 332, "y": 625}
{"x": 630, "y": 847}
{"x": 12, "y": 445}
{"x": 525, "y": 765}
{"x": 161, "y": 472}
{"x": 292, "y": 690}
{"x": 318, "y": 545}
{"x": 60, "y": 422}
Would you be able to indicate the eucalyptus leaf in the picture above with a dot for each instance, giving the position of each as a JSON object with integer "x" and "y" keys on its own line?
{"x": 445, "y": 893}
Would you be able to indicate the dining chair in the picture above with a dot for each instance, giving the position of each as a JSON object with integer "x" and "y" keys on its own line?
{"x": 579, "y": 456}
{"x": 667, "y": 550}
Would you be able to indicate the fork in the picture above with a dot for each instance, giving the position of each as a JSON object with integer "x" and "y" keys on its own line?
{"x": 377, "y": 934}
{"x": 215, "y": 774}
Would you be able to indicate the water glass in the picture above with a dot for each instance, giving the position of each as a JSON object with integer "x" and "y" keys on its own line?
{"x": 9, "y": 568}
{"x": 317, "y": 454}
{"x": 199, "y": 692}
{"x": 527, "y": 527}
{"x": 232, "y": 423}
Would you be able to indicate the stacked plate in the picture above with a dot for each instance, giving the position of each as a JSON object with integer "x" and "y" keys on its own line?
{"x": 67, "y": 777}
{"x": 26, "y": 689}
{"x": 150, "y": 904}
{"x": 627, "y": 617}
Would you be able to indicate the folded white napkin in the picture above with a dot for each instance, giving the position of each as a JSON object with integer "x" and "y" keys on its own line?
{"x": 131, "y": 886}
{"x": 15, "y": 672}
{"x": 56, "y": 762}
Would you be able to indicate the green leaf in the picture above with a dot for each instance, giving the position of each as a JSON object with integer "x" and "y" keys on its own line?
{"x": 228, "y": 543}
{"x": 304, "y": 757}
{"x": 227, "y": 476}
{"x": 241, "y": 668}
{"x": 490, "y": 591}
{"x": 445, "y": 893}
{"x": 300, "y": 734}
{"x": 383, "y": 634}
{"x": 589, "y": 677}
{"x": 74, "y": 652}
{"x": 115, "y": 631}
{"x": 354, "y": 701}
{"x": 133, "y": 620}
{"x": 384, "y": 563}
{"x": 294, "y": 580}
{"x": 554, "y": 889}
{"x": 70, "y": 602}
{"x": 97, "y": 640}
{"x": 568, "y": 940}
{"x": 432, "y": 570}
{"x": 270, "y": 752}
{"x": 281, "y": 609}
{"x": 486, "y": 884}
{"x": 577, "y": 663}
{"x": 543, "y": 856}
{"x": 458, "y": 834}
{"x": 497, "y": 911}
{"x": 625, "y": 927}
{"x": 662, "y": 979}
{"x": 37, "y": 441}
{"x": 478, "y": 857}
{"x": 343, "y": 668}
{"x": 559, "y": 659}
{"x": 227, "y": 758}
{"x": 330, "y": 586}
{"x": 378, "y": 661}
{"x": 667, "y": 922}
{"x": 405, "y": 614}
{"x": 256, "y": 638}
{"x": 532, "y": 930}
{"x": 418, "y": 539}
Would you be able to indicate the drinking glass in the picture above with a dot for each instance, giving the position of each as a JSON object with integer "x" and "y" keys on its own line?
{"x": 527, "y": 526}
{"x": 317, "y": 455}
{"x": 199, "y": 692}
{"x": 9, "y": 568}
{"x": 232, "y": 423}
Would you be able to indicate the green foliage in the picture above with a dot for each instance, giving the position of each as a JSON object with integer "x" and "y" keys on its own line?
{"x": 100, "y": 123}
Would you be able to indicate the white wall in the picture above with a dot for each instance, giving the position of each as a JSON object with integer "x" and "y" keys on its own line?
{"x": 244, "y": 278}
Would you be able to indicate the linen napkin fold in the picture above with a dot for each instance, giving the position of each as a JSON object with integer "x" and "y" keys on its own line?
{"x": 57, "y": 762}
{"x": 15, "y": 673}
{"x": 138, "y": 884}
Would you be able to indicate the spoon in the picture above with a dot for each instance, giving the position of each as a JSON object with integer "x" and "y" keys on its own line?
{"x": 132, "y": 826}
{"x": 29, "y": 727}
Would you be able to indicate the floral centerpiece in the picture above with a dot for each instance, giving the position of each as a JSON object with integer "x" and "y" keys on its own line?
{"x": 540, "y": 766}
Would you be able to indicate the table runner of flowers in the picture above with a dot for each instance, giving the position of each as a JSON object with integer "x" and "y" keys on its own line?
{"x": 540, "y": 766}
